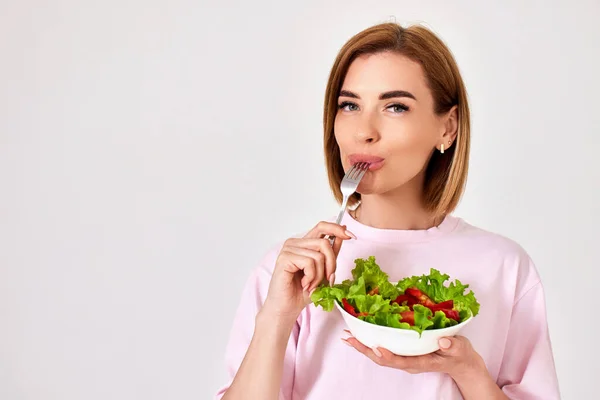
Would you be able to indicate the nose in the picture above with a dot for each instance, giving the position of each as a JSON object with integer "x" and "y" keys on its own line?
{"x": 367, "y": 130}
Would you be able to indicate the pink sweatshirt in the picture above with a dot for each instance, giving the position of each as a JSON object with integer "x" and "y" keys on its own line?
{"x": 510, "y": 333}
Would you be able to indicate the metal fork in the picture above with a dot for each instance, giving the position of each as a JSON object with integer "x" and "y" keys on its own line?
{"x": 348, "y": 187}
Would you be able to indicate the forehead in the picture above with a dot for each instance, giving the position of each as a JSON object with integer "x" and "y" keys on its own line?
{"x": 373, "y": 74}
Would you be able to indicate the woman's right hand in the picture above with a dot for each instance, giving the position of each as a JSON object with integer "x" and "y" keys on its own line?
{"x": 301, "y": 266}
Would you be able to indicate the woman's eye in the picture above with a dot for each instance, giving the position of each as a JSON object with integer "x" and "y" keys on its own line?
{"x": 347, "y": 106}
{"x": 398, "y": 108}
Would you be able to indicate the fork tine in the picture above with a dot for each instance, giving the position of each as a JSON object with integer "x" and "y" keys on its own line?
{"x": 362, "y": 173}
{"x": 362, "y": 168}
{"x": 359, "y": 167}
{"x": 351, "y": 170}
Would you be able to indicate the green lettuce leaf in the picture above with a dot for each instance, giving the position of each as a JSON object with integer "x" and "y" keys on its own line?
{"x": 387, "y": 319}
{"x": 374, "y": 277}
{"x": 371, "y": 304}
{"x": 422, "y": 315}
{"x": 407, "y": 283}
{"x": 441, "y": 321}
{"x": 324, "y": 295}
{"x": 367, "y": 275}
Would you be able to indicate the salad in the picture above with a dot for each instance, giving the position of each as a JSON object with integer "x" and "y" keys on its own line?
{"x": 417, "y": 303}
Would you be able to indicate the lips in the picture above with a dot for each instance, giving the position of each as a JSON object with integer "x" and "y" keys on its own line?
{"x": 375, "y": 161}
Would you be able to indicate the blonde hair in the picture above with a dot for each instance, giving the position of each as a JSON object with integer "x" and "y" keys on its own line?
{"x": 446, "y": 174}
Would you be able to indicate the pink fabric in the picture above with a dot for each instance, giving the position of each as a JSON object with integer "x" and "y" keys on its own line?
{"x": 510, "y": 333}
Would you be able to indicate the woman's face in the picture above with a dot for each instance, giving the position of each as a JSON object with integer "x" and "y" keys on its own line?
{"x": 385, "y": 112}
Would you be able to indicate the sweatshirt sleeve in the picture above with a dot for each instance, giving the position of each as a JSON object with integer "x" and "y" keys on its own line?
{"x": 528, "y": 371}
{"x": 252, "y": 299}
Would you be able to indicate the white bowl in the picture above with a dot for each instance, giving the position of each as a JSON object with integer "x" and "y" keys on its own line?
{"x": 403, "y": 342}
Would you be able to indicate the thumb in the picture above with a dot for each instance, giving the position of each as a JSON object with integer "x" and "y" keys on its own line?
{"x": 449, "y": 345}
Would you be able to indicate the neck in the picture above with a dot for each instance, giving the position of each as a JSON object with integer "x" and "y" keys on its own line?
{"x": 401, "y": 209}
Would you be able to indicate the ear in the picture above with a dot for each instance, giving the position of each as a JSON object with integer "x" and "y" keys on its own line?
{"x": 449, "y": 127}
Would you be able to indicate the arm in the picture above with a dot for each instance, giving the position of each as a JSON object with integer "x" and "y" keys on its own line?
{"x": 528, "y": 370}
{"x": 479, "y": 385}
{"x": 260, "y": 354}
{"x": 260, "y": 373}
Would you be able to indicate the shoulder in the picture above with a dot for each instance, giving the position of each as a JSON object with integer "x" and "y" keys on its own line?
{"x": 504, "y": 256}
{"x": 488, "y": 240}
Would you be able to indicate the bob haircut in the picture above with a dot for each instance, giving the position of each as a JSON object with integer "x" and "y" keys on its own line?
{"x": 446, "y": 174}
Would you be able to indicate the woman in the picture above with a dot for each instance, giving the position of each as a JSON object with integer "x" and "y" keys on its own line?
{"x": 395, "y": 98}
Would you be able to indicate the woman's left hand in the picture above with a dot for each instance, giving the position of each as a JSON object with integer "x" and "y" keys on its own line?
{"x": 456, "y": 358}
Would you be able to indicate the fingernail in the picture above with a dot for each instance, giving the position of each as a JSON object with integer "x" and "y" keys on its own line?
{"x": 306, "y": 285}
{"x": 445, "y": 343}
{"x": 346, "y": 342}
{"x": 348, "y": 233}
{"x": 331, "y": 279}
{"x": 312, "y": 291}
{"x": 377, "y": 352}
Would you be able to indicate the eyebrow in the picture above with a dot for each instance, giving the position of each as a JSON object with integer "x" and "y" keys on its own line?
{"x": 383, "y": 96}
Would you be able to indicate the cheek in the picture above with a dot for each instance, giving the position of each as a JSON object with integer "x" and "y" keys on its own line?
{"x": 409, "y": 131}
{"x": 411, "y": 141}
{"x": 409, "y": 152}
{"x": 412, "y": 154}
{"x": 340, "y": 128}
{"x": 342, "y": 133}
{"x": 408, "y": 142}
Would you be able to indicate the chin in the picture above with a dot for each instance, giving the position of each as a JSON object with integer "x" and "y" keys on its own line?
{"x": 375, "y": 188}
{"x": 369, "y": 189}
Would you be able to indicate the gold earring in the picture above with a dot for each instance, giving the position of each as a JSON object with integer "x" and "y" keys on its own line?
{"x": 442, "y": 149}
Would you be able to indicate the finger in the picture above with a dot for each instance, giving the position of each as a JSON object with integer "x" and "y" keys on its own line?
{"x": 337, "y": 242}
{"x": 357, "y": 344}
{"x": 445, "y": 344}
{"x": 412, "y": 364}
{"x": 323, "y": 229}
{"x": 295, "y": 262}
{"x": 337, "y": 245}
{"x": 361, "y": 348}
{"x": 321, "y": 245}
{"x": 400, "y": 362}
{"x": 320, "y": 260}
{"x": 454, "y": 346}
{"x": 388, "y": 359}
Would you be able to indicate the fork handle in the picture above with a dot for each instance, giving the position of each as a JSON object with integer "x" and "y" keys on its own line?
{"x": 339, "y": 217}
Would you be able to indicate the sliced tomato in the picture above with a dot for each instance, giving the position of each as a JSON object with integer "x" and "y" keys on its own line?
{"x": 420, "y": 296}
{"x": 401, "y": 299}
{"x": 444, "y": 305}
{"x": 408, "y": 317}
{"x": 406, "y": 298}
{"x": 414, "y": 292}
{"x": 362, "y": 314}
{"x": 448, "y": 304}
{"x": 412, "y": 301}
{"x": 349, "y": 308}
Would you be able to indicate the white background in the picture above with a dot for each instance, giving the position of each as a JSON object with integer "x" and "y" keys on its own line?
{"x": 152, "y": 151}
